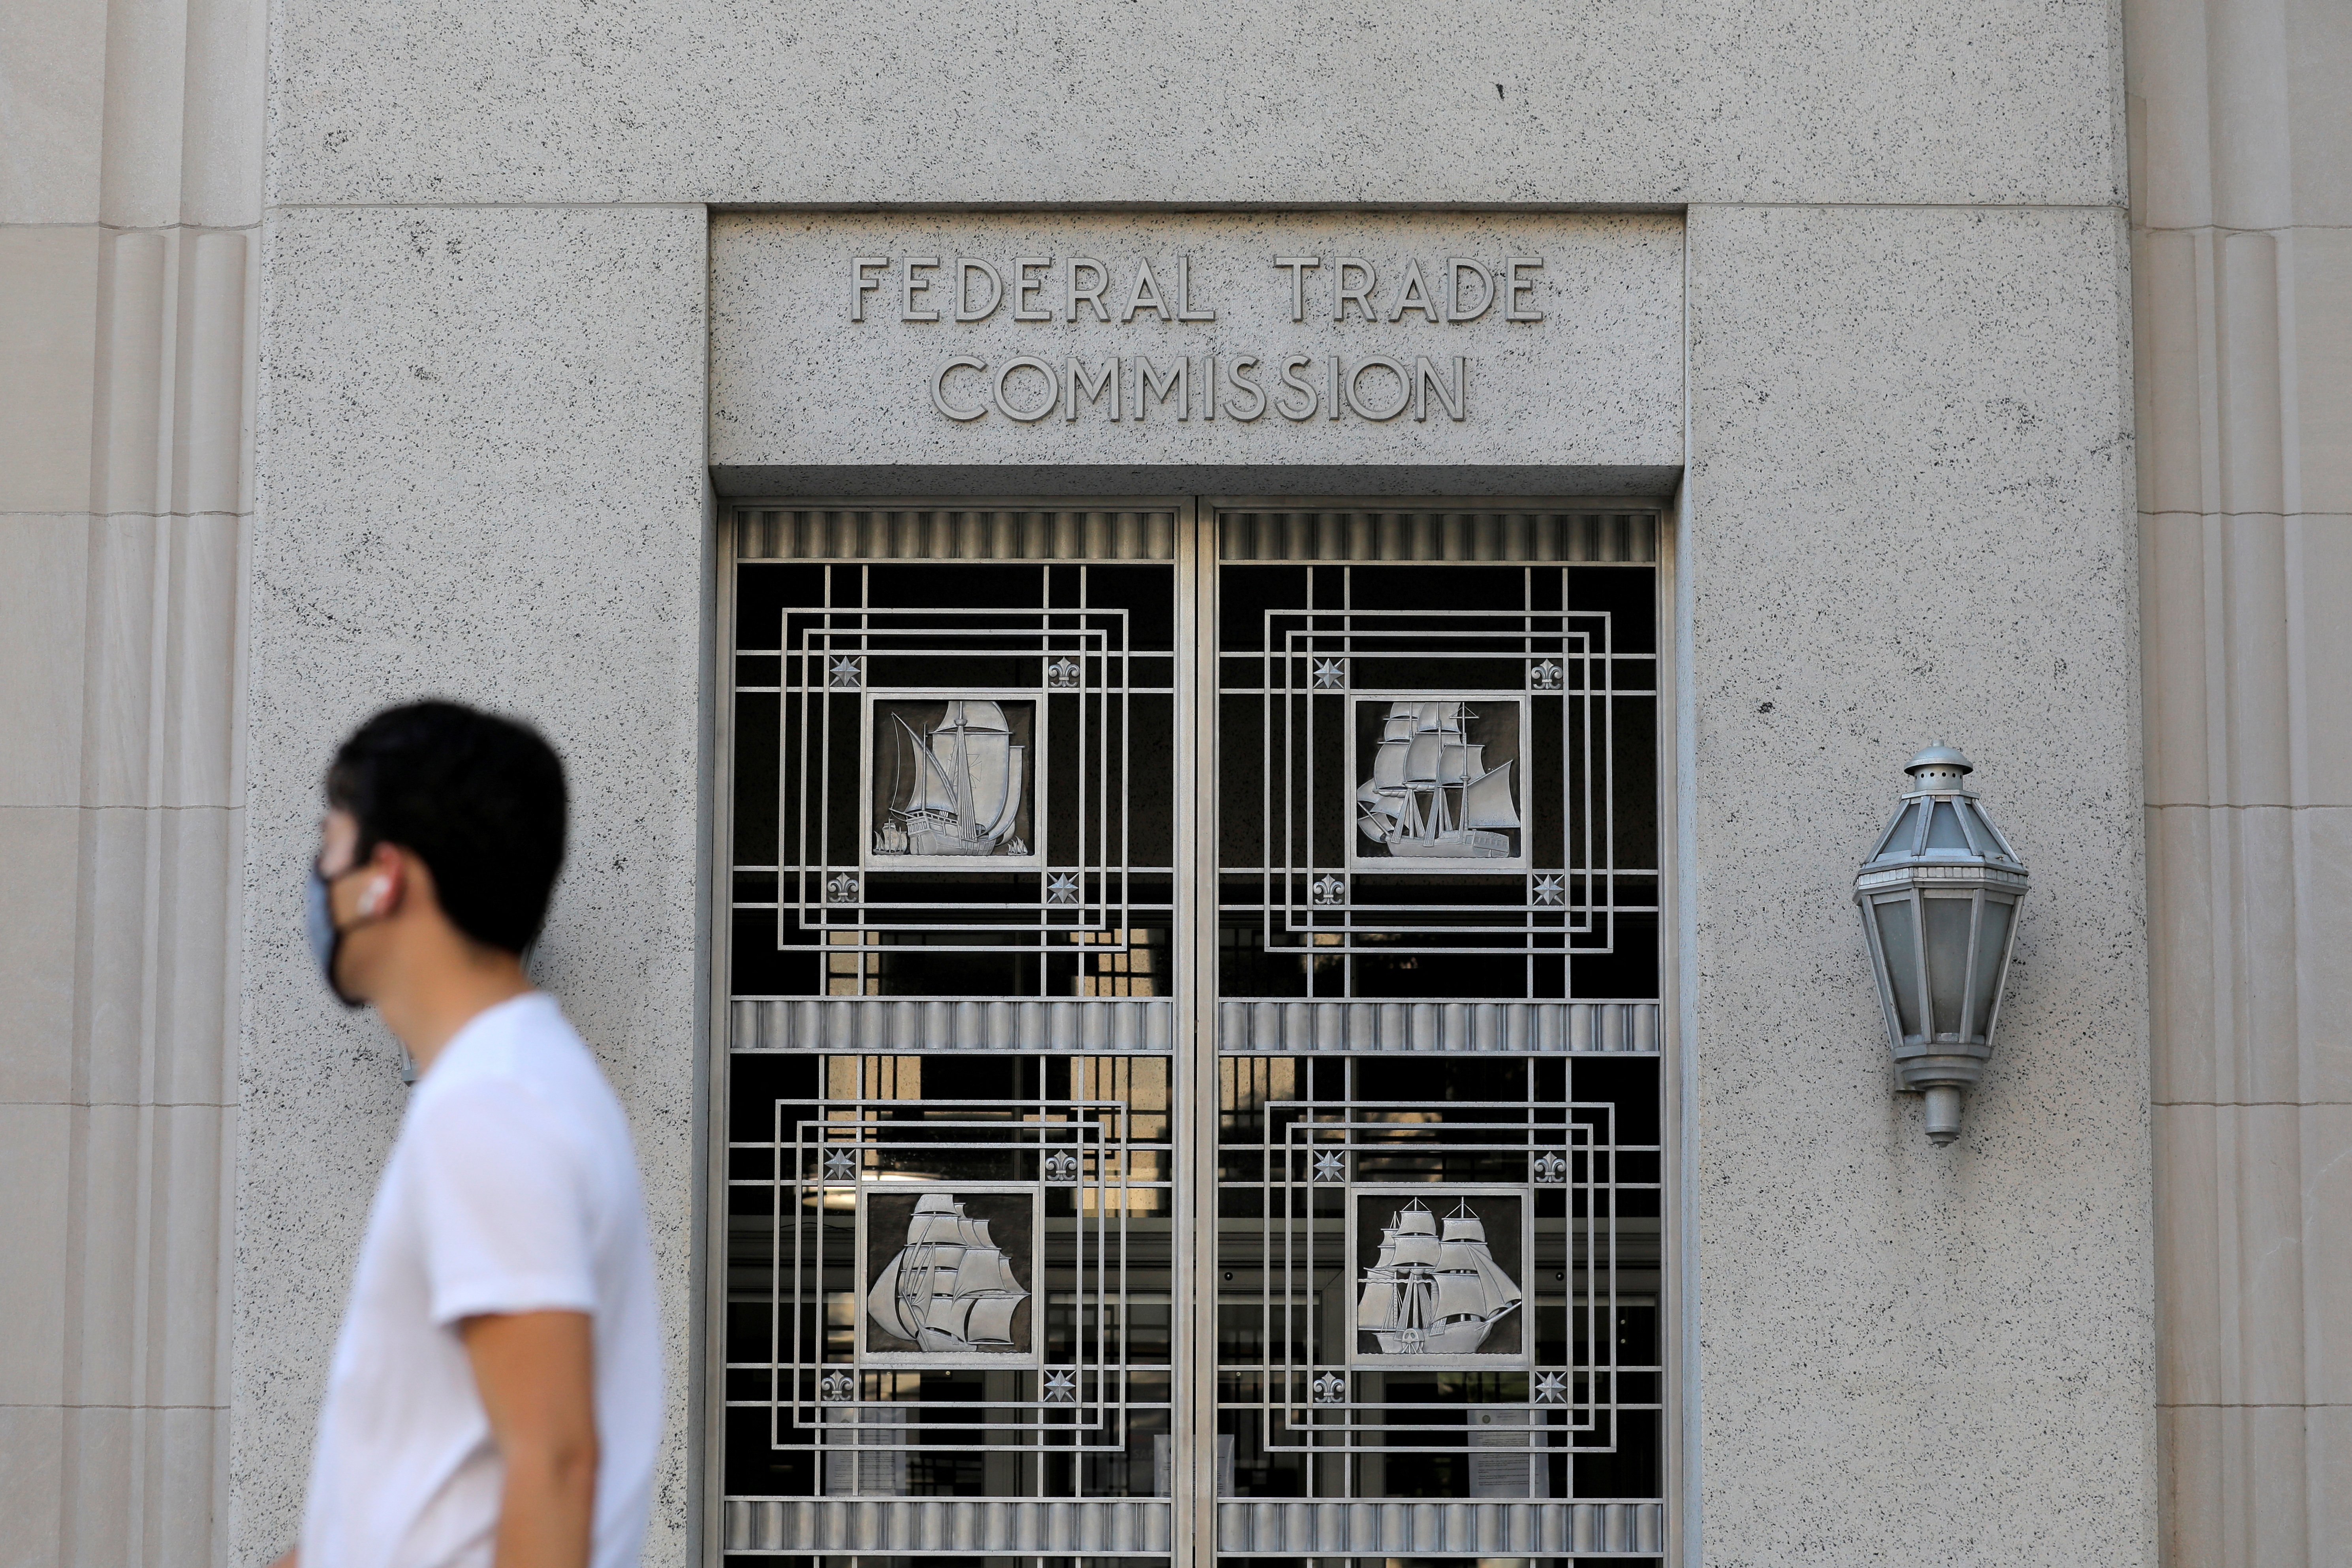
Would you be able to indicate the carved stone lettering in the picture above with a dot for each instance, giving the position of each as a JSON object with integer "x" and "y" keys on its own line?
{"x": 923, "y": 340}
{"x": 1375, "y": 384}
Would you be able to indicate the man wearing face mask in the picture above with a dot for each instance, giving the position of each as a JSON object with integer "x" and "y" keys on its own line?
{"x": 495, "y": 1397}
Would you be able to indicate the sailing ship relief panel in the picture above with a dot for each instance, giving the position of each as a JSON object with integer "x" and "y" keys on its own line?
{"x": 1438, "y": 1290}
{"x": 947, "y": 1272}
{"x": 1435, "y": 782}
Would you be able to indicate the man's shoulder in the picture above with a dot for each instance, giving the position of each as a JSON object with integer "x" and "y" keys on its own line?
{"x": 523, "y": 1056}
{"x": 525, "y": 1037}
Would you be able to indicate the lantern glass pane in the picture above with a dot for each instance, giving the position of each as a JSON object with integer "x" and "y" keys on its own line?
{"x": 1899, "y": 938}
{"x": 1944, "y": 829}
{"x": 1903, "y": 833}
{"x": 1992, "y": 942}
{"x": 1947, "y": 954}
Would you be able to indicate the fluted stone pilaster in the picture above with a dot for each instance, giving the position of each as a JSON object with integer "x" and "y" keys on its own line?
{"x": 130, "y": 192}
{"x": 2243, "y": 281}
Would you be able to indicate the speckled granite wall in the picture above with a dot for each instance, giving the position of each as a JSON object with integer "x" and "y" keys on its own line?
{"x": 1046, "y": 102}
{"x": 1907, "y": 521}
{"x": 482, "y": 478}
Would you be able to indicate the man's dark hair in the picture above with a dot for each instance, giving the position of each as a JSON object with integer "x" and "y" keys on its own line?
{"x": 478, "y": 798}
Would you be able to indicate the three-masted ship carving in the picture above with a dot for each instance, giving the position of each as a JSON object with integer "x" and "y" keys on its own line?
{"x": 1432, "y": 1294}
{"x": 1432, "y": 795}
{"x": 965, "y": 795}
{"x": 950, "y": 1287}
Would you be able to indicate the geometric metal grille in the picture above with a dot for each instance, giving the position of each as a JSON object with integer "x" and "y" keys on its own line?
{"x": 1010, "y": 701}
{"x": 1444, "y": 1294}
{"x": 1377, "y": 1026}
{"x": 953, "y": 778}
{"x": 954, "y": 533}
{"x": 962, "y": 1294}
{"x": 949, "y": 1322}
{"x": 1070, "y": 1378}
{"x": 903, "y": 1024}
{"x": 1301, "y": 1202}
{"x": 1440, "y": 780}
{"x": 1423, "y": 722}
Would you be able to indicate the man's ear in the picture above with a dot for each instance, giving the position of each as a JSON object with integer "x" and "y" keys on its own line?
{"x": 386, "y": 878}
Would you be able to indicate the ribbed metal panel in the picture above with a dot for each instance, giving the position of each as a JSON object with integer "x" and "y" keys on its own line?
{"x": 1443, "y": 1529}
{"x": 1373, "y": 536}
{"x": 1373, "y": 1026}
{"x": 952, "y": 534}
{"x": 944, "y": 1527}
{"x": 899, "y": 1025}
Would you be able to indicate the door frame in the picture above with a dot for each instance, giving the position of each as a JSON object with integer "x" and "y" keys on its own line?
{"x": 1194, "y": 1076}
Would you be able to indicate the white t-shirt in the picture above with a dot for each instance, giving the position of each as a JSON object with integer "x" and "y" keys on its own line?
{"x": 511, "y": 1189}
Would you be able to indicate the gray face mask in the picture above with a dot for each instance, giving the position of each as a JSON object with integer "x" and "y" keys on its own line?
{"x": 326, "y": 938}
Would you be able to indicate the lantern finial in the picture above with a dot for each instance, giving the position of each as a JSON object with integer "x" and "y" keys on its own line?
{"x": 1938, "y": 763}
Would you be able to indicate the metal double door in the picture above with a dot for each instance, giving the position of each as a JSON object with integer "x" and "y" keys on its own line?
{"x": 1190, "y": 1034}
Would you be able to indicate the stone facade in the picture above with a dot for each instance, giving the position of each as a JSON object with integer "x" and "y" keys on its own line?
{"x": 380, "y": 352}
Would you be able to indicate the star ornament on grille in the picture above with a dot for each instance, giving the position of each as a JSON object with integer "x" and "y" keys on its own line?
{"x": 1063, "y": 1166}
{"x": 1330, "y": 1388}
{"x": 1327, "y": 891}
{"x": 1550, "y": 1169}
{"x": 1551, "y": 1388}
{"x": 1330, "y": 675}
{"x": 1551, "y": 889}
{"x": 845, "y": 672}
{"x": 1544, "y": 675}
{"x": 840, "y": 1165}
{"x": 1061, "y": 1389}
{"x": 1062, "y": 887}
{"x": 837, "y": 1386}
{"x": 1062, "y": 673}
{"x": 1330, "y": 1166}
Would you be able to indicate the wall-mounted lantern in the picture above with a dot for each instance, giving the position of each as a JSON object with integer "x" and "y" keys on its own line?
{"x": 1939, "y": 899}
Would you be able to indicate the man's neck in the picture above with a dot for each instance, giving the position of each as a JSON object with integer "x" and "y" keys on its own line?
{"x": 435, "y": 1000}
